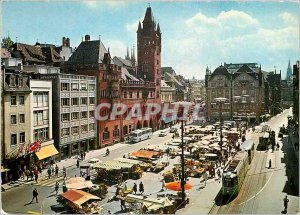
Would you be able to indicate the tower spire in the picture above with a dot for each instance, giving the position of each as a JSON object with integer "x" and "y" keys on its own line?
{"x": 127, "y": 55}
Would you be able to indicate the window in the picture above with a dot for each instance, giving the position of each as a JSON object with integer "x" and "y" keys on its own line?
{"x": 65, "y": 117}
{"x": 92, "y": 127}
{"x": 84, "y": 128}
{"x": 83, "y": 114}
{"x": 92, "y": 101}
{"x": 74, "y": 115}
{"x": 65, "y": 102}
{"x": 35, "y": 118}
{"x": 138, "y": 94}
{"x": 21, "y": 100}
{"x": 65, "y": 86}
{"x": 65, "y": 132}
{"x": 45, "y": 115}
{"x": 41, "y": 134}
{"x": 92, "y": 114}
{"x": 84, "y": 101}
{"x": 22, "y": 118}
{"x": 244, "y": 100}
{"x": 45, "y": 99}
{"x": 22, "y": 137}
{"x": 116, "y": 131}
{"x": 244, "y": 92}
{"x": 130, "y": 94}
{"x": 13, "y": 100}
{"x": 13, "y": 139}
{"x": 75, "y": 101}
{"x": 92, "y": 87}
{"x": 106, "y": 134}
{"x": 20, "y": 82}
{"x": 125, "y": 95}
{"x": 13, "y": 119}
{"x": 75, "y": 87}
{"x": 83, "y": 87}
{"x": 75, "y": 130}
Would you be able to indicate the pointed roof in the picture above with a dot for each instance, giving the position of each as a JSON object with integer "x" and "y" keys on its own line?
{"x": 221, "y": 70}
{"x": 158, "y": 28}
{"x": 89, "y": 52}
{"x": 148, "y": 15}
{"x": 245, "y": 68}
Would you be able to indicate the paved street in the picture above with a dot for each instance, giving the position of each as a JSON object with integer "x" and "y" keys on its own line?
{"x": 262, "y": 186}
{"x": 264, "y": 189}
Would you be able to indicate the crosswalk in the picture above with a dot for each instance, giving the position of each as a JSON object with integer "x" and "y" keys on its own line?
{"x": 44, "y": 181}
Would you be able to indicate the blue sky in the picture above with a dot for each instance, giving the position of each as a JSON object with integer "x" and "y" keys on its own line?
{"x": 194, "y": 34}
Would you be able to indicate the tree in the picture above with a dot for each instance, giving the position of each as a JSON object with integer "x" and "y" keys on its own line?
{"x": 6, "y": 42}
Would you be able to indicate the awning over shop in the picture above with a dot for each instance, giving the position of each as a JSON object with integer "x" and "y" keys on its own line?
{"x": 145, "y": 154}
{"x": 126, "y": 160}
{"x": 46, "y": 151}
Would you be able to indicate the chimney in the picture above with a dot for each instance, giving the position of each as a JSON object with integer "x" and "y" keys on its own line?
{"x": 68, "y": 42}
{"x": 63, "y": 41}
{"x": 87, "y": 37}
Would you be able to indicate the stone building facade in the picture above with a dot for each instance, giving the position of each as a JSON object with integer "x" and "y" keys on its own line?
{"x": 242, "y": 84}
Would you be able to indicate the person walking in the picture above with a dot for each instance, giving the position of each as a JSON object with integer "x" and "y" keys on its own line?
{"x": 49, "y": 172}
{"x": 141, "y": 188}
{"x": 52, "y": 170}
{"x": 36, "y": 175}
{"x": 35, "y": 195}
{"x": 77, "y": 164}
{"x": 134, "y": 188}
{"x": 56, "y": 171}
{"x": 285, "y": 203}
{"x": 123, "y": 206}
{"x": 56, "y": 188}
{"x": 64, "y": 172}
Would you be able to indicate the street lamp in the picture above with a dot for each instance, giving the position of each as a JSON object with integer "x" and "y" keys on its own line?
{"x": 220, "y": 102}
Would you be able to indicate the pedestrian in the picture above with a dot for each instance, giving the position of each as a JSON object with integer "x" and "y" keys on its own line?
{"x": 56, "y": 187}
{"x": 162, "y": 185}
{"x": 52, "y": 170}
{"x": 123, "y": 206}
{"x": 134, "y": 188}
{"x": 219, "y": 174}
{"x": 35, "y": 195}
{"x": 141, "y": 188}
{"x": 285, "y": 203}
{"x": 40, "y": 167}
{"x": 205, "y": 176}
{"x": 49, "y": 172}
{"x": 277, "y": 146}
{"x": 56, "y": 171}
{"x": 64, "y": 172}
{"x": 125, "y": 186}
{"x": 36, "y": 175}
{"x": 77, "y": 164}
{"x": 31, "y": 175}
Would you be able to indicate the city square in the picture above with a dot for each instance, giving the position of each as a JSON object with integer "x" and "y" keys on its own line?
{"x": 86, "y": 130}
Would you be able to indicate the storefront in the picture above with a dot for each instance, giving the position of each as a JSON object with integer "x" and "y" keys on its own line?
{"x": 45, "y": 155}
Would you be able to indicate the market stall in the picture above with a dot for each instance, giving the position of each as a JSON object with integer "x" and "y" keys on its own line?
{"x": 81, "y": 202}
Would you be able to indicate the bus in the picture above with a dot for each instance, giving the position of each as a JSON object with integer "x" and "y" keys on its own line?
{"x": 234, "y": 174}
{"x": 140, "y": 135}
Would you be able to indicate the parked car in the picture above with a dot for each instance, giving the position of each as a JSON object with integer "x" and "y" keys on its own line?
{"x": 162, "y": 134}
{"x": 94, "y": 161}
{"x": 173, "y": 130}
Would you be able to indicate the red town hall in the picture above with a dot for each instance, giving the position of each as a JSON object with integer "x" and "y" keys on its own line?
{"x": 116, "y": 85}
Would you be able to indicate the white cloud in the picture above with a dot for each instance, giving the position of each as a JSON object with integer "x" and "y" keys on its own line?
{"x": 132, "y": 27}
{"x": 116, "y": 47}
{"x": 288, "y": 18}
{"x": 233, "y": 36}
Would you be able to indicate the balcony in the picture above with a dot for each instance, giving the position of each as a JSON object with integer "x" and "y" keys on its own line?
{"x": 64, "y": 95}
{"x": 65, "y": 110}
{"x": 84, "y": 108}
{"x": 65, "y": 124}
{"x": 74, "y": 109}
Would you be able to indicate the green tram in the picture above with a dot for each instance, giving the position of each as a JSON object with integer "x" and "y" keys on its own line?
{"x": 236, "y": 170}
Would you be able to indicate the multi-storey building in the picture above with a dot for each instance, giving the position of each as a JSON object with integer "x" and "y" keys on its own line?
{"x": 74, "y": 101}
{"x": 273, "y": 95}
{"x": 242, "y": 84}
{"x": 167, "y": 92}
{"x": 296, "y": 93}
{"x": 116, "y": 81}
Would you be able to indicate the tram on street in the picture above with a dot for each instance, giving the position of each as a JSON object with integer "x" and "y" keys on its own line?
{"x": 140, "y": 135}
{"x": 248, "y": 146}
{"x": 234, "y": 174}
